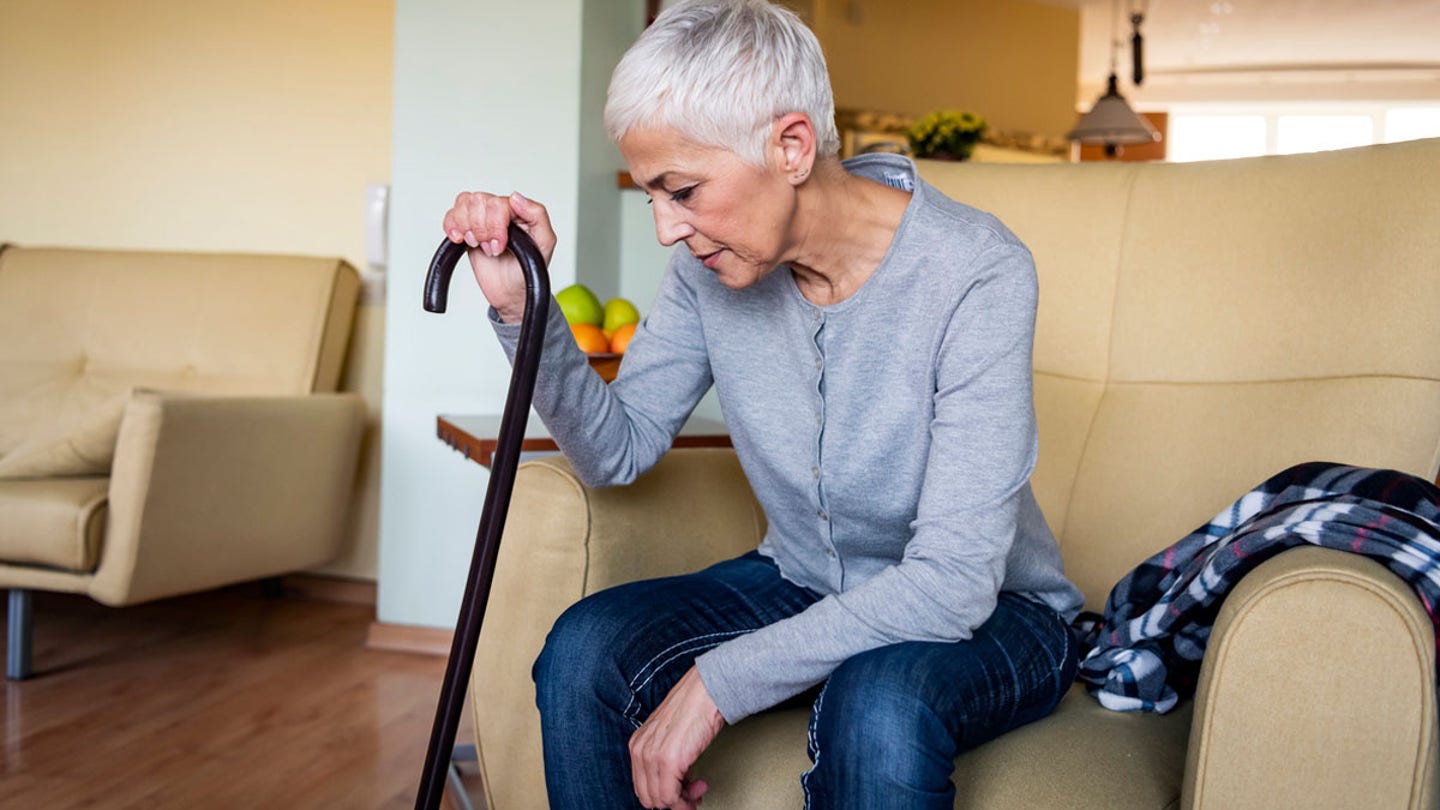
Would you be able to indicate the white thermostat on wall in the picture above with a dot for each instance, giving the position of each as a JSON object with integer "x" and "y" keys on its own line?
{"x": 377, "y": 203}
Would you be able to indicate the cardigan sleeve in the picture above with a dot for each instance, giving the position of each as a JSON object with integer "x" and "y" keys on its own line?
{"x": 613, "y": 433}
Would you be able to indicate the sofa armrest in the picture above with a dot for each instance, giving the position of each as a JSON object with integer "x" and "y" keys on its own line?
{"x": 1318, "y": 685}
{"x": 207, "y": 491}
{"x": 564, "y": 540}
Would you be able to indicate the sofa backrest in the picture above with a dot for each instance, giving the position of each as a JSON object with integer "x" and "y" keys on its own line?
{"x": 79, "y": 326}
{"x": 1203, "y": 326}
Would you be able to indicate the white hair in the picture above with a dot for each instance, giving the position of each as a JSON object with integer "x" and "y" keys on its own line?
{"x": 720, "y": 72}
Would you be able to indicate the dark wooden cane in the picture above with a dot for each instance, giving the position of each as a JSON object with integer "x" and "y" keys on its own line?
{"x": 497, "y": 495}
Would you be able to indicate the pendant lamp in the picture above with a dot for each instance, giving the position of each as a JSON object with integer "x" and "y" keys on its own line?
{"x": 1110, "y": 121}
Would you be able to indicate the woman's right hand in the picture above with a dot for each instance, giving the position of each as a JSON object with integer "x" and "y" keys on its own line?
{"x": 481, "y": 221}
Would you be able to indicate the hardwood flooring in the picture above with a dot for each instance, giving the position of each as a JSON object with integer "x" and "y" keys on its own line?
{"x": 227, "y": 699}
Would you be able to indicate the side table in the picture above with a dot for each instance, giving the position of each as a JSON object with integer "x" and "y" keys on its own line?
{"x": 478, "y": 435}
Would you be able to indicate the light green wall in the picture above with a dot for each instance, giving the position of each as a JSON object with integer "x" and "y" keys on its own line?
{"x": 642, "y": 257}
{"x": 608, "y": 29}
{"x": 485, "y": 98}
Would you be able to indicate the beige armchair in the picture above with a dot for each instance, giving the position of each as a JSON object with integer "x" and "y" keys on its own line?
{"x": 1201, "y": 327}
{"x": 168, "y": 422}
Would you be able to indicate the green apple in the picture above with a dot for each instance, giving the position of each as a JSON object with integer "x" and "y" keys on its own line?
{"x": 580, "y": 305}
{"x": 618, "y": 313}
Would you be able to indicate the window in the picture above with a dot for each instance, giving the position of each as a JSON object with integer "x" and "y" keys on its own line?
{"x": 1216, "y": 137}
{"x": 1317, "y": 133}
{"x": 1411, "y": 123}
{"x": 1220, "y": 131}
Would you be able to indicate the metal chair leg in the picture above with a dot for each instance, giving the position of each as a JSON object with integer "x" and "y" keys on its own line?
{"x": 17, "y": 640}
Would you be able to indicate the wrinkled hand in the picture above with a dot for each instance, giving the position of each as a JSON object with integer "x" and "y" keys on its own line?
{"x": 482, "y": 222}
{"x": 662, "y": 750}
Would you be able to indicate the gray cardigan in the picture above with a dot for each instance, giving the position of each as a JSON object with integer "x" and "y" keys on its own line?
{"x": 889, "y": 438}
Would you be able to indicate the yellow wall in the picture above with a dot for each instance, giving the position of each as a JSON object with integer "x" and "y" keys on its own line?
{"x": 204, "y": 125}
{"x": 1012, "y": 61}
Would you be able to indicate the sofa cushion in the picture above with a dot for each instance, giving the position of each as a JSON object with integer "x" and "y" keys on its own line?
{"x": 55, "y": 522}
{"x": 84, "y": 446}
{"x": 1082, "y": 756}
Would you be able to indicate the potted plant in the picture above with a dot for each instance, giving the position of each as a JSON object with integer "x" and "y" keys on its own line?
{"x": 946, "y": 135}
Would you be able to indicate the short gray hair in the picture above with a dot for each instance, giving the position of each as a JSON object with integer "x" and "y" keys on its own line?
{"x": 720, "y": 72}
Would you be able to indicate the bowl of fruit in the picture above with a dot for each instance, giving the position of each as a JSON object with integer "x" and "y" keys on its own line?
{"x": 603, "y": 332}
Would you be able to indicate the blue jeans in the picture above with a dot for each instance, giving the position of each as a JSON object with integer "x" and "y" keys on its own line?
{"x": 884, "y": 730}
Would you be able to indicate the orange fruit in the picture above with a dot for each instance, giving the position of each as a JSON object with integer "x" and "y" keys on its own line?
{"x": 621, "y": 341}
{"x": 589, "y": 338}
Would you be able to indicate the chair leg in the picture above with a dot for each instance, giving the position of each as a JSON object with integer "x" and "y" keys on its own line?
{"x": 17, "y": 640}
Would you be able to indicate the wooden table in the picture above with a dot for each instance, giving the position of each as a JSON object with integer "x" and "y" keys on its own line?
{"x": 478, "y": 435}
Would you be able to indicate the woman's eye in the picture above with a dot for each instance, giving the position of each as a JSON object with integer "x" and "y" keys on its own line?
{"x": 675, "y": 196}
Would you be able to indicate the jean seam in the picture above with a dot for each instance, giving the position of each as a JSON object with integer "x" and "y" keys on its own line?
{"x": 814, "y": 743}
{"x": 1040, "y": 632}
{"x": 1039, "y": 627}
{"x": 672, "y": 647}
{"x": 1061, "y": 687}
{"x": 705, "y": 645}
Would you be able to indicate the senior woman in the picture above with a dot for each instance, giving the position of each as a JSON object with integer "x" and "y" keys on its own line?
{"x": 870, "y": 344}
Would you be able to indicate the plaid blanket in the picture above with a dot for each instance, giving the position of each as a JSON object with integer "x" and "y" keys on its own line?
{"x": 1147, "y": 648}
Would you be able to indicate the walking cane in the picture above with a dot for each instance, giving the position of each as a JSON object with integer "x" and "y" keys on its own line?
{"x": 497, "y": 494}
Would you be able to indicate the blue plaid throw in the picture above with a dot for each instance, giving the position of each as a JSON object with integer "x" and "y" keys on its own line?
{"x": 1147, "y": 648}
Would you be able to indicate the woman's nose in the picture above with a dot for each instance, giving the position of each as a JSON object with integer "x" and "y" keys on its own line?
{"x": 670, "y": 226}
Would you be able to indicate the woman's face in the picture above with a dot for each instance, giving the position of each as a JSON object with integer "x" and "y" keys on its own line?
{"x": 731, "y": 215}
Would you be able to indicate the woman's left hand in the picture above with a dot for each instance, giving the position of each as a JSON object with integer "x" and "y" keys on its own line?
{"x": 663, "y": 749}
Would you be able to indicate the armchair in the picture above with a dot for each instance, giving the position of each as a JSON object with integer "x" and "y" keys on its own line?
{"x": 1201, "y": 327}
{"x": 168, "y": 423}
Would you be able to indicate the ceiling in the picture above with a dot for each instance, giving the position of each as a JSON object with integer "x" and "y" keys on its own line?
{"x": 1198, "y": 50}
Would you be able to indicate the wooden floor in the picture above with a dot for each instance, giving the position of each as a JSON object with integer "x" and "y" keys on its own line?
{"x": 221, "y": 700}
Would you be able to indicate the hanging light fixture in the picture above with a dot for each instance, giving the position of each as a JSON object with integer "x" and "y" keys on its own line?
{"x": 1110, "y": 121}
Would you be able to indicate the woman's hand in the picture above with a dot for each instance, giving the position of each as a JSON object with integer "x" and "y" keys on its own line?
{"x": 662, "y": 750}
{"x": 481, "y": 221}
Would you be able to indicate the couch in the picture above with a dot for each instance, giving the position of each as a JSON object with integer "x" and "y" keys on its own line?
{"x": 1201, "y": 327}
{"x": 168, "y": 422}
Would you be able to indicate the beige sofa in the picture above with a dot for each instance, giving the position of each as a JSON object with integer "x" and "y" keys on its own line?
{"x": 1201, "y": 327}
{"x": 168, "y": 422}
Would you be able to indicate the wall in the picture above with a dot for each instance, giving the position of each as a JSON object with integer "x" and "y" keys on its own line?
{"x": 488, "y": 95}
{"x": 644, "y": 258}
{"x": 1012, "y": 61}
{"x": 1278, "y": 51}
{"x": 608, "y": 27}
{"x": 204, "y": 125}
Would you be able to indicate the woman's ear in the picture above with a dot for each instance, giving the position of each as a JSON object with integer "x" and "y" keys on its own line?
{"x": 794, "y": 146}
